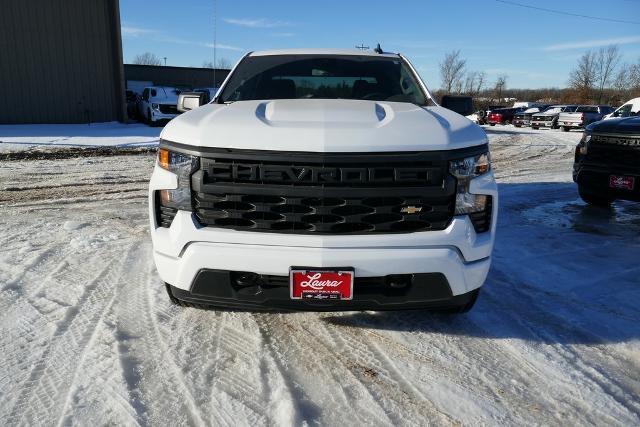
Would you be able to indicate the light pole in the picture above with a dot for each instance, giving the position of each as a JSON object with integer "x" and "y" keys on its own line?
{"x": 165, "y": 61}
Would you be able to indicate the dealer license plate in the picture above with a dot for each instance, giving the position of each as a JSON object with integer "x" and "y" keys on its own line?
{"x": 321, "y": 284}
{"x": 621, "y": 182}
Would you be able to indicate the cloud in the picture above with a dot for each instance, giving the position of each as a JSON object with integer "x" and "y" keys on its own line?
{"x": 135, "y": 31}
{"x": 164, "y": 38}
{"x": 223, "y": 46}
{"x": 256, "y": 22}
{"x": 587, "y": 44}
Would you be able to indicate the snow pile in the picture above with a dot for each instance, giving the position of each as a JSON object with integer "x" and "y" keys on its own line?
{"x": 23, "y": 137}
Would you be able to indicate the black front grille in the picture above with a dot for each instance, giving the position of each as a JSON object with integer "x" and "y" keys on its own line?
{"x": 614, "y": 151}
{"x": 168, "y": 109}
{"x": 333, "y": 215}
{"x": 324, "y": 193}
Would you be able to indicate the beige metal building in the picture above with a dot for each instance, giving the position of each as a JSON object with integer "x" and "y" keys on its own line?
{"x": 61, "y": 61}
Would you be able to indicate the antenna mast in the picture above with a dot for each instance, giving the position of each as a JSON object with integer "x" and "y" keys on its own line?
{"x": 215, "y": 42}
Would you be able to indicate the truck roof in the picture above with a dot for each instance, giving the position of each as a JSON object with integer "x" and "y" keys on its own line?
{"x": 321, "y": 51}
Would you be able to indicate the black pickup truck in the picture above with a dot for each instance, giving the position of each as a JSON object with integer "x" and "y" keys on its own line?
{"x": 607, "y": 161}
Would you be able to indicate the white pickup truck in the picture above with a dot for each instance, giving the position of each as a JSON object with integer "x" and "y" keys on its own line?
{"x": 158, "y": 104}
{"x": 582, "y": 116}
{"x": 628, "y": 109}
{"x": 322, "y": 180}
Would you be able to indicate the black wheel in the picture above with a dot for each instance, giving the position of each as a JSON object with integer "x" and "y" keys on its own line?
{"x": 492, "y": 124}
{"x": 534, "y": 127}
{"x": 516, "y": 126}
{"x": 595, "y": 200}
{"x": 463, "y": 308}
{"x": 564, "y": 129}
{"x": 179, "y": 302}
{"x": 554, "y": 125}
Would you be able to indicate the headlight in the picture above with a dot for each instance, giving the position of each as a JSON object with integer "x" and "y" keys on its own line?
{"x": 583, "y": 146}
{"x": 154, "y": 106}
{"x": 471, "y": 167}
{"x": 478, "y": 206}
{"x": 183, "y": 165}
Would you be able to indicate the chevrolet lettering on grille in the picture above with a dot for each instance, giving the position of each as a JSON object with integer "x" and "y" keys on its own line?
{"x": 615, "y": 140}
{"x": 284, "y": 174}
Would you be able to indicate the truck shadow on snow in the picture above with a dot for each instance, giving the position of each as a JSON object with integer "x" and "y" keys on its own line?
{"x": 563, "y": 272}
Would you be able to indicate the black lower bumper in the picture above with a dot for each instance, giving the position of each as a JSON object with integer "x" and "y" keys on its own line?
{"x": 596, "y": 182}
{"x": 248, "y": 291}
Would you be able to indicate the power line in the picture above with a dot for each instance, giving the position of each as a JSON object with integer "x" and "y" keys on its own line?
{"x": 560, "y": 12}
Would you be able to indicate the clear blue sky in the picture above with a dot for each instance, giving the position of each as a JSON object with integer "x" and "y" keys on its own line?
{"x": 534, "y": 48}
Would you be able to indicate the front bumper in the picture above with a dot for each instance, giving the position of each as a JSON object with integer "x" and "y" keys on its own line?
{"x": 186, "y": 249}
{"x": 542, "y": 123}
{"x": 157, "y": 115}
{"x": 572, "y": 125}
{"x": 594, "y": 179}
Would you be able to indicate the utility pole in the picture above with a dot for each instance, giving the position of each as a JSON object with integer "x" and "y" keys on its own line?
{"x": 215, "y": 43}
{"x": 362, "y": 47}
{"x": 165, "y": 61}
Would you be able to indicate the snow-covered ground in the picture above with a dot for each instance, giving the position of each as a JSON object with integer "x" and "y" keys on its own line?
{"x": 87, "y": 335}
{"x": 24, "y": 137}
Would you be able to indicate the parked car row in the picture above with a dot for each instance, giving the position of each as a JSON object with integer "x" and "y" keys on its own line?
{"x": 158, "y": 104}
{"x": 583, "y": 116}
{"x": 564, "y": 117}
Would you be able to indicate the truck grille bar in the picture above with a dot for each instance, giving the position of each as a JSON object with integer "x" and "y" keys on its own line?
{"x": 323, "y": 193}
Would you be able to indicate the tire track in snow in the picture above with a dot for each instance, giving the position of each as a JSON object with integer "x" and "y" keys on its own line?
{"x": 592, "y": 373}
{"x": 375, "y": 375}
{"x": 166, "y": 396}
{"x": 395, "y": 392}
{"x": 49, "y": 378}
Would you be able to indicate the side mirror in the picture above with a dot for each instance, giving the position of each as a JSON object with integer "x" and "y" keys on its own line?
{"x": 190, "y": 100}
{"x": 462, "y": 105}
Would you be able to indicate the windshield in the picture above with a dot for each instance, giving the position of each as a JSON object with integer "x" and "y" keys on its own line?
{"x": 325, "y": 77}
{"x": 553, "y": 109}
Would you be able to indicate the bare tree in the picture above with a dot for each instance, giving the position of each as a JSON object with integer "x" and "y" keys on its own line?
{"x": 481, "y": 77}
{"x": 583, "y": 78}
{"x": 606, "y": 62}
{"x": 501, "y": 85}
{"x": 452, "y": 71}
{"x": 470, "y": 83}
{"x": 634, "y": 78}
{"x": 221, "y": 63}
{"x": 147, "y": 58}
{"x": 621, "y": 82}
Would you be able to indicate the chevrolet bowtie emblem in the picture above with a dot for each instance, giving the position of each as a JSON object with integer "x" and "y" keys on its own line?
{"x": 411, "y": 209}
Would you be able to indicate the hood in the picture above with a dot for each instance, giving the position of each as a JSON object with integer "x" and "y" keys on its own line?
{"x": 324, "y": 125}
{"x": 626, "y": 125}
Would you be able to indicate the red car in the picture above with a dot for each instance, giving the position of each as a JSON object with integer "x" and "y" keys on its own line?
{"x": 503, "y": 116}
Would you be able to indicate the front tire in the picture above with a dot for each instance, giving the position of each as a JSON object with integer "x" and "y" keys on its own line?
{"x": 594, "y": 199}
{"x": 564, "y": 129}
{"x": 534, "y": 127}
